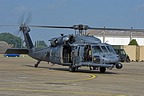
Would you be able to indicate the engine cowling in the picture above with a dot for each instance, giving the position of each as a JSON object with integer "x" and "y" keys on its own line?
{"x": 54, "y": 42}
{"x": 67, "y": 39}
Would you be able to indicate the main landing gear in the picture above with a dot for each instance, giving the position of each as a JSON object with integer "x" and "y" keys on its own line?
{"x": 72, "y": 68}
{"x": 36, "y": 65}
{"x": 102, "y": 69}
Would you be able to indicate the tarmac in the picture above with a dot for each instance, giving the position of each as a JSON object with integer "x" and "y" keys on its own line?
{"x": 18, "y": 77}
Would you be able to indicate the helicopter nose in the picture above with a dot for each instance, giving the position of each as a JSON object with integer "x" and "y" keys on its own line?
{"x": 109, "y": 60}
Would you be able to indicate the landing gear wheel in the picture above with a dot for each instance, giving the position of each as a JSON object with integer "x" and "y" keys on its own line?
{"x": 94, "y": 68}
{"x": 102, "y": 69}
{"x": 72, "y": 69}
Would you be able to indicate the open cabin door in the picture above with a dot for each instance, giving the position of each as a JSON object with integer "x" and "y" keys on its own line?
{"x": 66, "y": 54}
{"x": 77, "y": 54}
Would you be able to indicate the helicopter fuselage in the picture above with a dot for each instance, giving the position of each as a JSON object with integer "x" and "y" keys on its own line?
{"x": 78, "y": 53}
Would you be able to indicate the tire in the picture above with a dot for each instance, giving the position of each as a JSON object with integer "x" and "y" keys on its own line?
{"x": 102, "y": 69}
{"x": 94, "y": 68}
{"x": 119, "y": 65}
{"x": 72, "y": 69}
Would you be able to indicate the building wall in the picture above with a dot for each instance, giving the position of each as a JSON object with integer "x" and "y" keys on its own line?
{"x": 121, "y": 40}
{"x": 140, "y": 53}
{"x": 134, "y": 52}
{"x": 131, "y": 51}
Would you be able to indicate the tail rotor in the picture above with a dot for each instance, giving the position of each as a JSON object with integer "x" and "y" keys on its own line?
{"x": 23, "y": 21}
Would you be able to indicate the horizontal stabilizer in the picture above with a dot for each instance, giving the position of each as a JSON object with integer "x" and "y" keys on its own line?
{"x": 17, "y": 51}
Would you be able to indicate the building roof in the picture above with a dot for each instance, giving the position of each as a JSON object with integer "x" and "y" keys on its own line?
{"x": 116, "y": 33}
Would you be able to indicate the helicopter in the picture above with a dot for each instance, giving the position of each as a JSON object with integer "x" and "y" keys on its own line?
{"x": 73, "y": 50}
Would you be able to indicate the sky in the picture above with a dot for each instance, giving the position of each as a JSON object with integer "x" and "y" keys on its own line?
{"x": 95, "y": 13}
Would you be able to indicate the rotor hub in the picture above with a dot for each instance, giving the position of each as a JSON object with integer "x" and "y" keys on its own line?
{"x": 80, "y": 27}
{"x": 24, "y": 28}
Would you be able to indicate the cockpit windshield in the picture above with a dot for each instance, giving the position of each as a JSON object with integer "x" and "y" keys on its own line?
{"x": 104, "y": 49}
{"x": 96, "y": 49}
{"x": 110, "y": 48}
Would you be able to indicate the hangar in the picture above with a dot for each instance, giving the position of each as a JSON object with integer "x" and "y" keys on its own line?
{"x": 118, "y": 37}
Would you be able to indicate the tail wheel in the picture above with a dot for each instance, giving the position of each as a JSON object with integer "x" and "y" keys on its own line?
{"x": 102, "y": 69}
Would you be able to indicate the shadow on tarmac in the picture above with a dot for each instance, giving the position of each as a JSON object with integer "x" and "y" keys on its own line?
{"x": 78, "y": 71}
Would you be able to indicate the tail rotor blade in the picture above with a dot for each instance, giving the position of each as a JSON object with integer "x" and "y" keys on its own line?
{"x": 28, "y": 18}
{"x": 25, "y": 18}
{"x": 21, "y": 19}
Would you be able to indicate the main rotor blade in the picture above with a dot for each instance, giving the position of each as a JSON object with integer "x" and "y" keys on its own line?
{"x": 85, "y": 27}
{"x": 8, "y": 25}
{"x": 117, "y": 29}
{"x": 51, "y": 26}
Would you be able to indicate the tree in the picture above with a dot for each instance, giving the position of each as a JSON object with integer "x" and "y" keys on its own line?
{"x": 133, "y": 42}
{"x": 40, "y": 44}
{"x": 11, "y": 39}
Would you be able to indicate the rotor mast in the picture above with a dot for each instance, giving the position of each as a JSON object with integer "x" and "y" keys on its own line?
{"x": 81, "y": 29}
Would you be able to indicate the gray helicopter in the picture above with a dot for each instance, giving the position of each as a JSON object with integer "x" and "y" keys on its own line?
{"x": 74, "y": 50}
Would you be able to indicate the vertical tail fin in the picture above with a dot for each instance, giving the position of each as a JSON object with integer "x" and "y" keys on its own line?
{"x": 27, "y": 37}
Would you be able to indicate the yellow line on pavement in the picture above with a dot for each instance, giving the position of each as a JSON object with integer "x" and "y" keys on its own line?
{"x": 91, "y": 76}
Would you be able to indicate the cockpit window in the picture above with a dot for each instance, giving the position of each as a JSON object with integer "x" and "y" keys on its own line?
{"x": 96, "y": 49}
{"x": 104, "y": 49}
{"x": 111, "y": 49}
